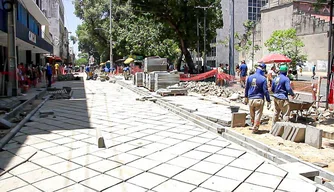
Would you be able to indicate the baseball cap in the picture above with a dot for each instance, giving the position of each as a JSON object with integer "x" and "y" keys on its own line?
{"x": 283, "y": 68}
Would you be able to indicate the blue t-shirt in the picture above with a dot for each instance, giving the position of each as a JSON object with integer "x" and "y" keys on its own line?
{"x": 281, "y": 87}
{"x": 256, "y": 86}
{"x": 313, "y": 69}
{"x": 48, "y": 70}
{"x": 106, "y": 69}
{"x": 243, "y": 70}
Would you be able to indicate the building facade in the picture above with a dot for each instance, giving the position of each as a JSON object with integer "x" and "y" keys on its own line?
{"x": 54, "y": 11}
{"x": 30, "y": 42}
{"x": 311, "y": 26}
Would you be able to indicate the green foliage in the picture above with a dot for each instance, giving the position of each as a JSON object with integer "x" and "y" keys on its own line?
{"x": 287, "y": 42}
{"x": 81, "y": 61}
{"x": 180, "y": 21}
{"x": 74, "y": 39}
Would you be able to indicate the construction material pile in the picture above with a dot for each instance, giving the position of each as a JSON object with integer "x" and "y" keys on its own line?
{"x": 211, "y": 89}
{"x": 155, "y": 64}
{"x": 163, "y": 80}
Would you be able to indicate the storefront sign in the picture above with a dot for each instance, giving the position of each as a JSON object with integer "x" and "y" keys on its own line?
{"x": 32, "y": 37}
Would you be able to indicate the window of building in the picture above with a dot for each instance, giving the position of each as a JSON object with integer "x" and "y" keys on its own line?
{"x": 22, "y": 15}
{"x": 211, "y": 63}
{"x": 254, "y": 9}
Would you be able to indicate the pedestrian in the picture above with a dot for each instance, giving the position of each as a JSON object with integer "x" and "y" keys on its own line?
{"x": 219, "y": 79}
{"x": 271, "y": 75}
{"x": 255, "y": 93}
{"x": 48, "y": 70}
{"x": 56, "y": 69}
{"x": 237, "y": 69}
{"x": 313, "y": 71}
{"x": 243, "y": 73}
{"x": 281, "y": 88}
{"x": 301, "y": 70}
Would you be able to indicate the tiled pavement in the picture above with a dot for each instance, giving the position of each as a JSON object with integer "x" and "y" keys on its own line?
{"x": 148, "y": 149}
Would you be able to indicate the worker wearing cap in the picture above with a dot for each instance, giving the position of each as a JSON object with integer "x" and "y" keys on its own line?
{"x": 255, "y": 93}
{"x": 281, "y": 88}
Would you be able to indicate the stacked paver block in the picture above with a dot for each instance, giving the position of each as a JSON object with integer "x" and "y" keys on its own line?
{"x": 139, "y": 79}
{"x": 289, "y": 131}
{"x": 163, "y": 80}
{"x": 313, "y": 136}
{"x": 155, "y": 64}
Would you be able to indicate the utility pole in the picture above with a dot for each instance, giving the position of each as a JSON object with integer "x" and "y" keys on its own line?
{"x": 12, "y": 85}
{"x": 330, "y": 51}
{"x": 197, "y": 45}
{"x": 204, "y": 36}
{"x": 231, "y": 42}
{"x": 253, "y": 51}
{"x": 111, "y": 55}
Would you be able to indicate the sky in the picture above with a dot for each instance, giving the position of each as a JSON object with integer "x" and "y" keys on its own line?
{"x": 71, "y": 21}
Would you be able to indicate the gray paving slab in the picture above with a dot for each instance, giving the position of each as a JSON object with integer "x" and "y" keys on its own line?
{"x": 76, "y": 188}
{"x": 101, "y": 182}
{"x": 155, "y": 151}
{"x": 27, "y": 188}
{"x": 11, "y": 183}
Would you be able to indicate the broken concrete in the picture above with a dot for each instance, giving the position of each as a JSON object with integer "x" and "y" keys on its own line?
{"x": 313, "y": 136}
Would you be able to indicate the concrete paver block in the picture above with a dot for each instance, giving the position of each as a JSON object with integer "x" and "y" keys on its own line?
{"x": 234, "y": 173}
{"x": 166, "y": 170}
{"x": 313, "y": 136}
{"x": 76, "y": 188}
{"x": 124, "y": 158}
{"x": 207, "y": 167}
{"x": 36, "y": 175}
{"x": 300, "y": 168}
{"x": 27, "y": 188}
{"x": 125, "y": 187}
{"x": 220, "y": 159}
{"x": 86, "y": 159}
{"x": 144, "y": 164}
{"x": 103, "y": 166}
{"x": 264, "y": 180}
{"x": 175, "y": 186}
{"x": 246, "y": 164}
{"x": 141, "y": 180}
{"x": 238, "y": 120}
{"x": 192, "y": 177}
{"x": 101, "y": 182}
{"x": 199, "y": 155}
{"x": 24, "y": 168}
{"x": 11, "y": 183}
{"x": 183, "y": 162}
{"x": 54, "y": 183}
{"x": 80, "y": 174}
{"x": 287, "y": 131}
{"x": 271, "y": 170}
{"x": 63, "y": 167}
{"x": 246, "y": 187}
{"x": 296, "y": 186}
{"x": 298, "y": 135}
{"x": 231, "y": 152}
{"x": 220, "y": 184}
{"x": 4, "y": 124}
{"x": 124, "y": 172}
{"x": 200, "y": 189}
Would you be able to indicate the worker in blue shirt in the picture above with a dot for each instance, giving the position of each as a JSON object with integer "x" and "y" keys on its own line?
{"x": 243, "y": 73}
{"x": 281, "y": 88}
{"x": 48, "y": 74}
{"x": 255, "y": 93}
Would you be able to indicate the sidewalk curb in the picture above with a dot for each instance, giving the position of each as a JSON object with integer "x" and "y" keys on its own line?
{"x": 19, "y": 108}
{"x": 18, "y": 127}
{"x": 259, "y": 148}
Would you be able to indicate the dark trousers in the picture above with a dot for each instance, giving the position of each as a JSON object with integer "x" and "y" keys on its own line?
{"x": 49, "y": 80}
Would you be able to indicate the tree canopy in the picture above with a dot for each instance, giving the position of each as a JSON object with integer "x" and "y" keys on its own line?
{"x": 287, "y": 42}
{"x": 180, "y": 17}
{"x": 146, "y": 27}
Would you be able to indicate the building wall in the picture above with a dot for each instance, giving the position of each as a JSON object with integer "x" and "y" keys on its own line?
{"x": 223, "y": 34}
{"x": 311, "y": 30}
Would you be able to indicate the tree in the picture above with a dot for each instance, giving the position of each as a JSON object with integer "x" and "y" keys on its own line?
{"x": 287, "y": 42}
{"x": 131, "y": 34}
{"x": 245, "y": 43}
{"x": 180, "y": 16}
{"x": 81, "y": 61}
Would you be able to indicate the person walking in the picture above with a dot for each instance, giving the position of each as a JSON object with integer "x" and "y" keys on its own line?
{"x": 281, "y": 88}
{"x": 48, "y": 73}
{"x": 243, "y": 73}
{"x": 256, "y": 92}
{"x": 313, "y": 71}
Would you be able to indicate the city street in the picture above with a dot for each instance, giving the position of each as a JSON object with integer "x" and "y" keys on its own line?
{"x": 148, "y": 148}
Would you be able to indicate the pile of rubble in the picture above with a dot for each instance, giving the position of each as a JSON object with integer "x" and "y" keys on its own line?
{"x": 211, "y": 89}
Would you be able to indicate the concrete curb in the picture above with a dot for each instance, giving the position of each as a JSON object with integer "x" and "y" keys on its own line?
{"x": 19, "y": 108}
{"x": 226, "y": 132}
{"x": 18, "y": 127}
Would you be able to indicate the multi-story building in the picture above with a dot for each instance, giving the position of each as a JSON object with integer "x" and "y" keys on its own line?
{"x": 243, "y": 10}
{"x": 30, "y": 41}
{"x": 54, "y": 11}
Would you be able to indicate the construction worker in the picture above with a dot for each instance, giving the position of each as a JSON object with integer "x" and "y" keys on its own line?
{"x": 243, "y": 73}
{"x": 281, "y": 88}
{"x": 255, "y": 93}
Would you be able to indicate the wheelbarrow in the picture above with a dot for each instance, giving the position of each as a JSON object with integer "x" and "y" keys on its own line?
{"x": 300, "y": 106}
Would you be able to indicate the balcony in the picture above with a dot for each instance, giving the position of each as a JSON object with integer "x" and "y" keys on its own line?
{"x": 35, "y": 11}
